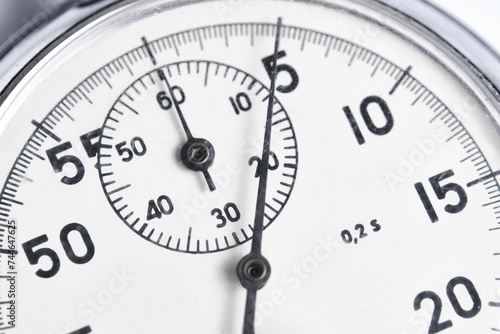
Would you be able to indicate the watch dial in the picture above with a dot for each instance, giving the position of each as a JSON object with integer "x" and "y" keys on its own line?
{"x": 131, "y": 154}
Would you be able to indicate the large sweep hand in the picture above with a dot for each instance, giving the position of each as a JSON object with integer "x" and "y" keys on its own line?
{"x": 254, "y": 270}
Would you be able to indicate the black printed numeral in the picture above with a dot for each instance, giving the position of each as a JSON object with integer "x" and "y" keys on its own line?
{"x": 162, "y": 206}
{"x": 360, "y": 233}
{"x": 241, "y": 103}
{"x": 437, "y": 326}
{"x": 230, "y": 212}
{"x": 137, "y": 148}
{"x": 273, "y": 163}
{"x": 294, "y": 77}
{"x": 58, "y": 160}
{"x": 376, "y": 130}
{"x": 35, "y": 255}
{"x": 165, "y": 101}
{"x": 441, "y": 191}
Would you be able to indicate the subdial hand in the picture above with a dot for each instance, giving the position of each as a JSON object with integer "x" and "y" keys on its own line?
{"x": 197, "y": 154}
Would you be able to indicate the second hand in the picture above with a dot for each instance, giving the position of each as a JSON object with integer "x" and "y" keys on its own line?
{"x": 254, "y": 270}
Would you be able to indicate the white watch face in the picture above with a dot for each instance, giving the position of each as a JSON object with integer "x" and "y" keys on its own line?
{"x": 131, "y": 155}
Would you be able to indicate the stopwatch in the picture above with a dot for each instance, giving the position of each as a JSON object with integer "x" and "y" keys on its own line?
{"x": 249, "y": 166}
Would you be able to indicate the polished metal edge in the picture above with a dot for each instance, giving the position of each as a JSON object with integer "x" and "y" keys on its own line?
{"x": 462, "y": 39}
{"x": 27, "y": 44}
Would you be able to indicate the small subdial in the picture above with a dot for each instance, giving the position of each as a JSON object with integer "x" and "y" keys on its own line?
{"x": 187, "y": 180}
